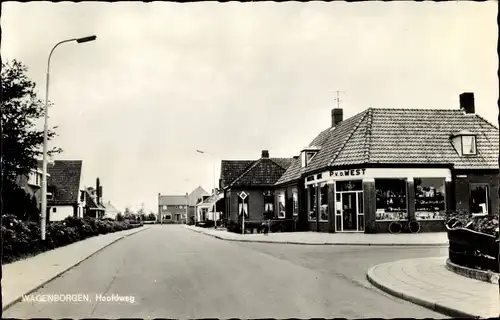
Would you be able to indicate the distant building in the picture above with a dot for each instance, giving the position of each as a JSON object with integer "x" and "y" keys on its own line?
{"x": 172, "y": 208}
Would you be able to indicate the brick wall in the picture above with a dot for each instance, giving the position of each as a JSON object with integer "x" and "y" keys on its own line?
{"x": 462, "y": 190}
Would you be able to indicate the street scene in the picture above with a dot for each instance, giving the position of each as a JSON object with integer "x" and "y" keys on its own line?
{"x": 250, "y": 160}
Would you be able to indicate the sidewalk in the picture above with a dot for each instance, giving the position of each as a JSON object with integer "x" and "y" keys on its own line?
{"x": 322, "y": 238}
{"x": 428, "y": 283}
{"x": 25, "y": 276}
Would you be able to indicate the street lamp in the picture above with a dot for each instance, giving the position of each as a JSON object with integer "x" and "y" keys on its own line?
{"x": 44, "y": 177}
{"x": 206, "y": 153}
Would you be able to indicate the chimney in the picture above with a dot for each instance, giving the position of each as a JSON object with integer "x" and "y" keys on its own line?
{"x": 100, "y": 194}
{"x": 337, "y": 116}
{"x": 467, "y": 102}
{"x": 265, "y": 154}
{"x": 98, "y": 190}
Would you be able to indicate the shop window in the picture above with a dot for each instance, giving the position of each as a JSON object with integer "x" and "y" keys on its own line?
{"x": 469, "y": 145}
{"x": 295, "y": 199}
{"x": 479, "y": 196}
{"x": 430, "y": 198}
{"x": 323, "y": 203}
{"x": 391, "y": 199}
{"x": 311, "y": 203}
{"x": 281, "y": 206}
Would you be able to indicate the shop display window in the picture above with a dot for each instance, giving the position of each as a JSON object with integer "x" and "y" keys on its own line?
{"x": 430, "y": 199}
{"x": 391, "y": 203}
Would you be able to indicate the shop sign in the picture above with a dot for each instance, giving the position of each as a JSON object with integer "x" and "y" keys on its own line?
{"x": 348, "y": 173}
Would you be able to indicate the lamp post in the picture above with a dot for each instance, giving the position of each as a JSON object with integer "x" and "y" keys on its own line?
{"x": 45, "y": 129}
{"x": 213, "y": 160}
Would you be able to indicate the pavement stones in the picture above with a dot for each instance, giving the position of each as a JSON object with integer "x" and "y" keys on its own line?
{"x": 321, "y": 238}
{"x": 428, "y": 283}
{"x": 25, "y": 276}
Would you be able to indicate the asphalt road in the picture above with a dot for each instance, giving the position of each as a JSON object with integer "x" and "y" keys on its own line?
{"x": 172, "y": 272}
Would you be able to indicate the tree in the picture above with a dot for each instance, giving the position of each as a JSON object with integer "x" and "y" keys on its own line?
{"x": 21, "y": 108}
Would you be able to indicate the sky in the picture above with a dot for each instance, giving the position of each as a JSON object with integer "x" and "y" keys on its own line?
{"x": 232, "y": 79}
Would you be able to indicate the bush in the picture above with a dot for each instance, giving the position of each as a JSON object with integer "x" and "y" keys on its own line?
{"x": 484, "y": 224}
{"x": 22, "y": 238}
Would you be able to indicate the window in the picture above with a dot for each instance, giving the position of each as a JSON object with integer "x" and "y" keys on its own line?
{"x": 295, "y": 199}
{"x": 323, "y": 203}
{"x": 311, "y": 203}
{"x": 391, "y": 199}
{"x": 54, "y": 209}
{"x": 168, "y": 216}
{"x": 430, "y": 198}
{"x": 479, "y": 198}
{"x": 268, "y": 205}
{"x": 468, "y": 145}
{"x": 164, "y": 207}
{"x": 281, "y": 206}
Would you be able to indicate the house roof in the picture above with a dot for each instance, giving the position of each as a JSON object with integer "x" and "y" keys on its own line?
{"x": 109, "y": 207}
{"x": 262, "y": 172}
{"x": 401, "y": 136}
{"x": 292, "y": 173}
{"x": 91, "y": 199}
{"x": 208, "y": 202}
{"x": 408, "y": 136}
{"x": 172, "y": 200}
{"x": 65, "y": 180}
{"x": 195, "y": 195}
{"x": 232, "y": 169}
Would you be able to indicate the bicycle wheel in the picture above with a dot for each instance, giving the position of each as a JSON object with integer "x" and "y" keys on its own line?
{"x": 414, "y": 226}
{"x": 395, "y": 227}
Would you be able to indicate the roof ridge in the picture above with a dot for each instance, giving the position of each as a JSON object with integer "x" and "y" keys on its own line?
{"x": 349, "y": 136}
{"x": 245, "y": 172}
{"x": 368, "y": 135}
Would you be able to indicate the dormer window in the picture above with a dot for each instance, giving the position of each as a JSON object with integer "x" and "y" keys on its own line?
{"x": 465, "y": 143}
{"x": 308, "y": 154}
{"x": 468, "y": 145}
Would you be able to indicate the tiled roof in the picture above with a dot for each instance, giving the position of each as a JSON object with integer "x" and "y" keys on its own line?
{"x": 65, "y": 180}
{"x": 292, "y": 173}
{"x": 285, "y": 163}
{"x": 407, "y": 136}
{"x": 264, "y": 172}
{"x": 172, "y": 200}
{"x": 232, "y": 169}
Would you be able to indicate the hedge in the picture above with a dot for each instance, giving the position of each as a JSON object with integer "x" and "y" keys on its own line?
{"x": 22, "y": 238}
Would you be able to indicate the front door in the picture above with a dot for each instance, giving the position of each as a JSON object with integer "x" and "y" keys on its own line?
{"x": 349, "y": 211}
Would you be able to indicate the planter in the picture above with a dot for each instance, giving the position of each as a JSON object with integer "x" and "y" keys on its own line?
{"x": 473, "y": 249}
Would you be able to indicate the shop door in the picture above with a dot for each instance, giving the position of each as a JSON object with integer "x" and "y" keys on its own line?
{"x": 349, "y": 211}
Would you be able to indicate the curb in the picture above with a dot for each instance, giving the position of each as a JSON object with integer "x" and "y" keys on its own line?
{"x": 10, "y": 304}
{"x": 327, "y": 243}
{"x": 482, "y": 275}
{"x": 416, "y": 300}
